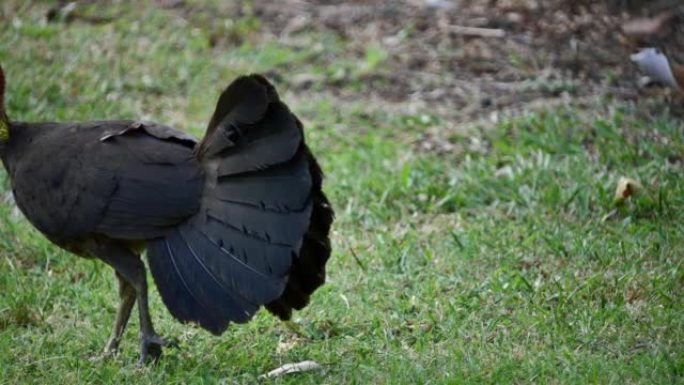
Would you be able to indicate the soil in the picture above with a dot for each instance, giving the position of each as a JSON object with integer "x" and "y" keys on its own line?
{"x": 466, "y": 60}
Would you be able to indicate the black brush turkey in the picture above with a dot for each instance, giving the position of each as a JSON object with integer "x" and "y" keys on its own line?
{"x": 230, "y": 223}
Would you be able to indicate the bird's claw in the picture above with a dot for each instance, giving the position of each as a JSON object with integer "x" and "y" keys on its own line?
{"x": 112, "y": 348}
{"x": 151, "y": 347}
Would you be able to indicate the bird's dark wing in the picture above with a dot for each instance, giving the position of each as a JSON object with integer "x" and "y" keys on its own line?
{"x": 77, "y": 179}
{"x": 159, "y": 131}
{"x": 159, "y": 181}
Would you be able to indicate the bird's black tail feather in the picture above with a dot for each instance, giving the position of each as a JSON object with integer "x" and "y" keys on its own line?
{"x": 261, "y": 234}
{"x": 308, "y": 270}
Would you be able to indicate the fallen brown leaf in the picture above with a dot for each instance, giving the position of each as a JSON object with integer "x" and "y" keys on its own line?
{"x": 626, "y": 188}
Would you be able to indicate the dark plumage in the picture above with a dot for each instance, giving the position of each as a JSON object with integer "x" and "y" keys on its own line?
{"x": 231, "y": 223}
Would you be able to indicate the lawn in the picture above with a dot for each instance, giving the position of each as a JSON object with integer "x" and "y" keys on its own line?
{"x": 503, "y": 259}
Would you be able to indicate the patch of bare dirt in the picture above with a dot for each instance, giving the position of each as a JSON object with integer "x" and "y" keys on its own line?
{"x": 464, "y": 60}
{"x": 486, "y": 54}
{"x": 471, "y": 57}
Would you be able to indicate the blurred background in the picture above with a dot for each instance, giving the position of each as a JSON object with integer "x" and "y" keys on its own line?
{"x": 461, "y": 59}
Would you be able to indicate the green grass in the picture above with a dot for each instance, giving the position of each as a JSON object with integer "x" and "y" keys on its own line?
{"x": 505, "y": 261}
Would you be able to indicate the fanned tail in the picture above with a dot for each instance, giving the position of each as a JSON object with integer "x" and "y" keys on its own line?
{"x": 261, "y": 234}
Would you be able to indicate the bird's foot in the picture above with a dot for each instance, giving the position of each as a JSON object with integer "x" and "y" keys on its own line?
{"x": 112, "y": 348}
{"x": 151, "y": 347}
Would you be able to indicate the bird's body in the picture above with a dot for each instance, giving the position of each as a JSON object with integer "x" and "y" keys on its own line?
{"x": 76, "y": 180}
{"x": 230, "y": 223}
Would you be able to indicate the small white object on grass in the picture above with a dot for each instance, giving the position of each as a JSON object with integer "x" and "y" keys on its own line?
{"x": 656, "y": 65}
{"x": 298, "y": 367}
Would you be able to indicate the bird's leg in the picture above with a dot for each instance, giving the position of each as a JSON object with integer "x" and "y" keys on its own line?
{"x": 131, "y": 268}
{"x": 150, "y": 342}
{"x": 127, "y": 295}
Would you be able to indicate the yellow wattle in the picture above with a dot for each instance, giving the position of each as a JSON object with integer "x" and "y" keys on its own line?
{"x": 4, "y": 131}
